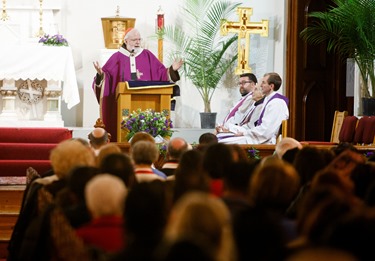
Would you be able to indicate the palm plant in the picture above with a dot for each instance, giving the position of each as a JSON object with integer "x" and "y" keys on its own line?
{"x": 348, "y": 28}
{"x": 199, "y": 43}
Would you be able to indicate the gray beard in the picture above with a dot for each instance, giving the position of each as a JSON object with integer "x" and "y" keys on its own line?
{"x": 137, "y": 50}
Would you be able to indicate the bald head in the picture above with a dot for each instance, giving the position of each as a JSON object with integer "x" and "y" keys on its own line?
{"x": 286, "y": 144}
{"x": 98, "y": 137}
{"x": 176, "y": 147}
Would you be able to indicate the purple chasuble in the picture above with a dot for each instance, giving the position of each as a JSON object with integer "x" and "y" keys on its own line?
{"x": 276, "y": 96}
{"x": 118, "y": 69}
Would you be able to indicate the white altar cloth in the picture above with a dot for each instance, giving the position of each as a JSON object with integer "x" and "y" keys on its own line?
{"x": 35, "y": 61}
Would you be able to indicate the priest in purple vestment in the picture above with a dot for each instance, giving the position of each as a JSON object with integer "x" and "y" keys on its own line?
{"x": 130, "y": 63}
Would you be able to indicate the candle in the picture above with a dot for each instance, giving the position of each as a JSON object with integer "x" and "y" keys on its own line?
{"x": 160, "y": 18}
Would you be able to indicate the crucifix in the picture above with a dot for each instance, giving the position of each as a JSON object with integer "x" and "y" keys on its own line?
{"x": 244, "y": 28}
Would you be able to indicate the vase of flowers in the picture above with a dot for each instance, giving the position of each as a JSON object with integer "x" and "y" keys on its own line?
{"x": 150, "y": 121}
{"x": 54, "y": 40}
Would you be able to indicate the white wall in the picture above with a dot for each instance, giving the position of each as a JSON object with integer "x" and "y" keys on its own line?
{"x": 80, "y": 23}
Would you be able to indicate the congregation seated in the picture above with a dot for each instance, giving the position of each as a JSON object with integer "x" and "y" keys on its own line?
{"x": 271, "y": 215}
{"x": 105, "y": 196}
{"x": 120, "y": 165}
{"x": 144, "y": 136}
{"x": 71, "y": 199}
{"x": 98, "y": 138}
{"x": 190, "y": 175}
{"x": 66, "y": 156}
{"x": 175, "y": 148}
{"x": 105, "y": 150}
{"x": 144, "y": 154}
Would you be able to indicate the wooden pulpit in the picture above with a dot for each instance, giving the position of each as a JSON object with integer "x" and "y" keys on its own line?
{"x": 153, "y": 96}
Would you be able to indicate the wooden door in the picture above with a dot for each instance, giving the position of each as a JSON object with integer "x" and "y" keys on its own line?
{"x": 315, "y": 79}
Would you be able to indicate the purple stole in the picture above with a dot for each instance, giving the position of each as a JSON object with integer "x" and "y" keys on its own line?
{"x": 276, "y": 96}
{"x": 235, "y": 109}
{"x": 248, "y": 117}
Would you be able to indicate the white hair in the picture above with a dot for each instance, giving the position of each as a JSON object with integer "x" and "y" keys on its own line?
{"x": 130, "y": 33}
{"x": 105, "y": 195}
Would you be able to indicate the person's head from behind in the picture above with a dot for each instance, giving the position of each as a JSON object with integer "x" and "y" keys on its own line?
{"x": 199, "y": 215}
{"x": 145, "y": 153}
{"x": 120, "y": 165}
{"x": 106, "y": 150}
{"x": 208, "y": 138}
{"x": 132, "y": 40}
{"x": 98, "y": 137}
{"x": 105, "y": 195}
{"x": 273, "y": 185}
{"x": 146, "y": 211}
{"x": 141, "y": 136}
{"x": 216, "y": 160}
{"x": 77, "y": 180}
{"x": 286, "y": 144}
{"x": 247, "y": 83}
{"x": 70, "y": 154}
{"x": 308, "y": 161}
{"x": 189, "y": 174}
{"x": 238, "y": 178}
{"x": 271, "y": 82}
{"x": 176, "y": 147}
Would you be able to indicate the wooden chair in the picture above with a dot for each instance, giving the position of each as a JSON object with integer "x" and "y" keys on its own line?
{"x": 283, "y": 131}
{"x": 338, "y": 120}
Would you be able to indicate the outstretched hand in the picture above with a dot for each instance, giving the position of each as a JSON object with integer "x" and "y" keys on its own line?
{"x": 177, "y": 64}
{"x": 98, "y": 68}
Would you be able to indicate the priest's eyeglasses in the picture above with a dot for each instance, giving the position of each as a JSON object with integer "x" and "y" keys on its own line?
{"x": 244, "y": 82}
{"x": 136, "y": 39}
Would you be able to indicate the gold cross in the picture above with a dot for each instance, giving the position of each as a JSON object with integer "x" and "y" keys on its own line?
{"x": 244, "y": 28}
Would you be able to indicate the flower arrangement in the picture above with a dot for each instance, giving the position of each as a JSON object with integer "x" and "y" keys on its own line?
{"x": 154, "y": 123}
{"x": 253, "y": 153}
{"x": 369, "y": 154}
{"x": 54, "y": 40}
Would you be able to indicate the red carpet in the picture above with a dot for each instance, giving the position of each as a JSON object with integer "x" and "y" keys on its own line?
{"x": 21, "y": 148}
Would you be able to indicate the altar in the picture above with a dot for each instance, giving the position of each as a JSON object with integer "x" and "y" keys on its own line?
{"x": 34, "y": 80}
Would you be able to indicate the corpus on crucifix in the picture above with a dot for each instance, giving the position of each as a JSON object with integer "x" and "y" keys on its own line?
{"x": 244, "y": 28}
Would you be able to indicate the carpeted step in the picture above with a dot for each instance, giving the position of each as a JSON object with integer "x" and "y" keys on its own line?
{"x": 26, "y": 151}
{"x": 34, "y": 135}
{"x": 19, "y": 167}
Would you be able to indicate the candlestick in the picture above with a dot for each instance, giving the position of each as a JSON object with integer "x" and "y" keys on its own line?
{"x": 160, "y": 32}
{"x": 4, "y": 15}
{"x": 41, "y": 32}
{"x": 160, "y": 19}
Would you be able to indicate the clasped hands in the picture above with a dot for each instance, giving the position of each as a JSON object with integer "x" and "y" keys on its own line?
{"x": 221, "y": 128}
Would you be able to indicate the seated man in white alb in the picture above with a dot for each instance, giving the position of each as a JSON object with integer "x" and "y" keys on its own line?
{"x": 274, "y": 111}
{"x": 238, "y": 112}
{"x": 250, "y": 117}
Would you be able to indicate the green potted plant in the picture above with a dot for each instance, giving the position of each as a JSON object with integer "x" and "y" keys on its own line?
{"x": 348, "y": 28}
{"x": 203, "y": 50}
